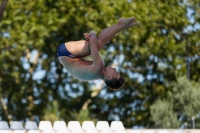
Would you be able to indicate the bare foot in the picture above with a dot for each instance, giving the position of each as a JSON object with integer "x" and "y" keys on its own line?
{"x": 127, "y": 22}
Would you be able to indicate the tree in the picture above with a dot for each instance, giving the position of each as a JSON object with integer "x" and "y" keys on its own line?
{"x": 180, "y": 106}
{"x": 52, "y": 113}
{"x": 163, "y": 115}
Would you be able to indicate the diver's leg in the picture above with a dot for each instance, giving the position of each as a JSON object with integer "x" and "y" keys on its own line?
{"x": 108, "y": 33}
{"x": 81, "y": 48}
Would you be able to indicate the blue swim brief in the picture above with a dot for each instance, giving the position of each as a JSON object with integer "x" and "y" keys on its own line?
{"x": 62, "y": 51}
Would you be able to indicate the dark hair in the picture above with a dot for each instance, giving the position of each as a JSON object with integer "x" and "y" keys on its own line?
{"x": 115, "y": 84}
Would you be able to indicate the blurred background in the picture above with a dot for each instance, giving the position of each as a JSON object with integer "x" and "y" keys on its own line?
{"x": 159, "y": 59}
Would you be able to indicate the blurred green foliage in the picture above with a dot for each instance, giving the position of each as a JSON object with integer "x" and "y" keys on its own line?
{"x": 31, "y": 77}
{"x": 182, "y": 102}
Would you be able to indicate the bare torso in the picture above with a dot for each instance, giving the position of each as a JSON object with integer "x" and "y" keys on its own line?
{"x": 81, "y": 69}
